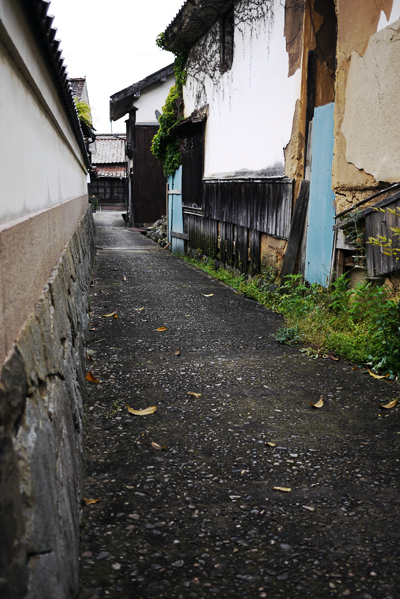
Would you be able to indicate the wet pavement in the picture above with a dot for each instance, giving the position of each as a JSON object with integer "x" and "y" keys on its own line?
{"x": 196, "y": 515}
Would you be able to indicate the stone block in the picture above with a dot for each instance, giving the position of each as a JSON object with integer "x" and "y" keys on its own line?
{"x": 13, "y": 570}
{"x": 30, "y": 345}
{"x": 12, "y": 390}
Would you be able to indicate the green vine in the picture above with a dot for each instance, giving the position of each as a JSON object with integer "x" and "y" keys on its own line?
{"x": 84, "y": 113}
{"x": 165, "y": 145}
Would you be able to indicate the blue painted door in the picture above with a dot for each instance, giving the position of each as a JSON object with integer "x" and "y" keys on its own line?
{"x": 321, "y": 210}
{"x": 175, "y": 215}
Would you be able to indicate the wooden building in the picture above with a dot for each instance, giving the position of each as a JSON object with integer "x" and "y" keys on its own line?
{"x": 108, "y": 180}
{"x": 142, "y": 102}
{"x": 278, "y": 93}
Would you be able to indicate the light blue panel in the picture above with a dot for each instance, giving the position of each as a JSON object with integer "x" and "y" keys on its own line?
{"x": 320, "y": 207}
{"x": 175, "y": 215}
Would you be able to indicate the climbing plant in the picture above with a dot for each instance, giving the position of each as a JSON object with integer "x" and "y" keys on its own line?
{"x": 382, "y": 241}
{"x": 165, "y": 144}
{"x": 84, "y": 114}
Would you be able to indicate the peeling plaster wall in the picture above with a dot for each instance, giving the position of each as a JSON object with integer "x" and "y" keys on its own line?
{"x": 371, "y": 123}
{"x": 353, "y": 174}
{"x": 250, "y": 106}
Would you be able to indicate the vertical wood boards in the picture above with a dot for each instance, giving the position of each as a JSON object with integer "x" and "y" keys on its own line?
{"x": 379, "y": 223}
{"x": 321, "y": 210}
{"x": 148, "y": 181}
{"x": 296, "y": 229}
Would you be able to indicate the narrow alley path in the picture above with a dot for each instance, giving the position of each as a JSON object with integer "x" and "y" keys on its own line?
{"x": 200, "y": 517}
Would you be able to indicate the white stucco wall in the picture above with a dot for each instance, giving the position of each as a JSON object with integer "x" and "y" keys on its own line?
{"x": 152, "y": 99}
{"x": 41, "y": 164}
{"x": 371, "y": 122}
{"x": 251, "y": 106}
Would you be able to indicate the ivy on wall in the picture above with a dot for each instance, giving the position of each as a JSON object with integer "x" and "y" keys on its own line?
{"x": 165, "y": 145}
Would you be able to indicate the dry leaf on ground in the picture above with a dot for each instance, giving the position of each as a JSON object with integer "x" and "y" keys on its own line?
{"x": 115, "y": 315}
{"x": 309, "y": 508}
{"x": 124, "y": 278}
{"x": 109, "y": 315}
{"x": 177, "y": 352}
{"x": 141, "y": 412}
{"x": 377, "y": 376}
{"x": 270, "y": 443}
{"x": 139, "y": 309}
{"x": 157, "y": 446}
{"x": 209, "y": 295}
{"x": 89, "y": 358}
{"x": 193, "y": 394}
{"x": 389, "y": 405}
{"x": 162, "y": 329}
{"x": 282, "y": 489}
{"x": 318, "y": 404}
{"x": 90, "y": 501}
{"x": 91, "y": 378}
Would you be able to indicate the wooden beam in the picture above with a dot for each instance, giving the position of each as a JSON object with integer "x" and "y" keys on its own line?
{"x": 296, "y": 229}
{"x": 184, "y": 236}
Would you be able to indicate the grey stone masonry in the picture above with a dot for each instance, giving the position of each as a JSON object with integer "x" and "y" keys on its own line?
{"x": 42, "y": 385}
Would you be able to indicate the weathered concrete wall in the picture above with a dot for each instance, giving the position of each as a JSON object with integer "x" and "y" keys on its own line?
{"x": 42, "y": 384}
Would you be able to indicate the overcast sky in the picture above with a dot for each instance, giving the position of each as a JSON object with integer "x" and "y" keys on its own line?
{"x": 112, "y": 43}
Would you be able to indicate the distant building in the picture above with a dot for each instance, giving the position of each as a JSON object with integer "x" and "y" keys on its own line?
{"x": 143, "y": 102}
{"x": 109, "y": 177}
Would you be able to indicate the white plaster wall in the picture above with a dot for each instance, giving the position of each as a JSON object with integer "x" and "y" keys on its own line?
{"x": 152, "y": 99}
{"x": 251, "y": 107}
{"x": 41, "y": 164}
{"x": 371, "y": 122}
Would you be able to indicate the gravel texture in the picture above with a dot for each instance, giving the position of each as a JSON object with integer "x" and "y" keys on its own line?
{"x": 200, "y": 517}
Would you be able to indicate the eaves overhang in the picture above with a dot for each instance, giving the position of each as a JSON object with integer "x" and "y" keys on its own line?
{"x": 123, "y": 101}
{"x": 192, "y": 21}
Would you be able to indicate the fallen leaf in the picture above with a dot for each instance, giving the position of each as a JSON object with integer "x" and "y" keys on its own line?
{"x": 93, "y": 329}
{"x": 90, "y": 501}
{"x": 142, "y": 412}
{"x": 91, "y": 378}
{"x": 209, "y": 295}
{"x": 157, "y": 446}
{"x": 389, "y": 405}
{"x": 334, "y": 358}
{"x": 309, "y": 508}
{"x": 89, "y": 358}
{"x": 243, "y": 472}
{"x": 177, "y": 352}
{"x": 139, "y": 309}
{"x": 193, "y": 394}
{"x": 108, "y": 315}
{"x": 161, "y": 329}
{"x": 282, "y": 489}
{"x": 124, "y": 278}
{"x": 115, "y": 315}
{"x": 270, "y": 444}
{"x": 377, "y": 376}
{"x": 318, "y": 404}
{"x": 355, "y": 368}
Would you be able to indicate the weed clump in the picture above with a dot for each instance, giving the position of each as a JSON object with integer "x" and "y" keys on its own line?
{"x": 361, "y": 324}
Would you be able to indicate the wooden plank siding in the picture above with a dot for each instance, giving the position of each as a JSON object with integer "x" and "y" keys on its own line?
{"x": 378, "y": 223}
{"x": 233, "y": 216}
{"x": 148, "y": 180}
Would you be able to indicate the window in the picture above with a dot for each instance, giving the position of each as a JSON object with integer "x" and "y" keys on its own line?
{"x": 227, "y": 26}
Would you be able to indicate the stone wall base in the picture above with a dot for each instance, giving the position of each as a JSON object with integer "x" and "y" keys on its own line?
{"x": 42, "y": 386}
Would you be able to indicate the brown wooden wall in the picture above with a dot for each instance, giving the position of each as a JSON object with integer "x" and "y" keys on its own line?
{"x": 379, "y": 223}
{"x": 233, "y": 217}
{"x": 148, "y": 180}
{"x": 109, "y": 190}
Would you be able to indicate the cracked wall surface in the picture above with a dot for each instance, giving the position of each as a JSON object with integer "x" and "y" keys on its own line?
{"x": 366, "y": 115}
{"x": 42, "y": 384}
{"x": 371, "y": 121}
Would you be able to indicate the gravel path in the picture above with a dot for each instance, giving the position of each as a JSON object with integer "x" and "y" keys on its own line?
{"x": 196, "y": 513}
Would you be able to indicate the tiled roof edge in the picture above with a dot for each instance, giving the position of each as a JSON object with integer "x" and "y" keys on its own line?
{"x": 41, "y": 25}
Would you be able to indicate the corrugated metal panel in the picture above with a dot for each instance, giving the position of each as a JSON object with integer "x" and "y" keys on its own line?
{"x": 321, "y": 211}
